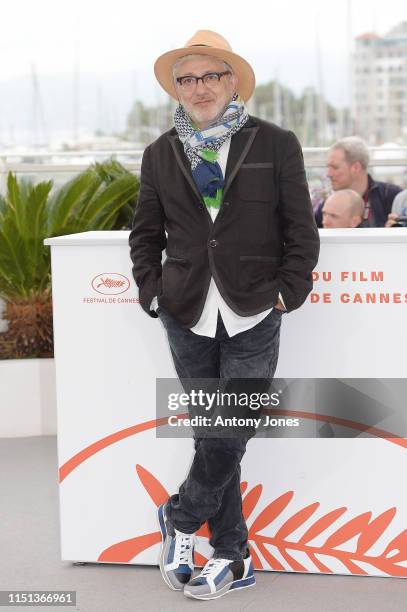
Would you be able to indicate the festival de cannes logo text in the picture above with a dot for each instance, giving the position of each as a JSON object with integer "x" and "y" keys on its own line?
{"x": 110, "y": 283}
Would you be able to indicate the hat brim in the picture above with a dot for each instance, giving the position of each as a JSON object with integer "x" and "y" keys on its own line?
{"x": 246, "y": 80}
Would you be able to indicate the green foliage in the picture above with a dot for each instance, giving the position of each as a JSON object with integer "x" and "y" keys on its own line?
{"x": 100, "y": 198}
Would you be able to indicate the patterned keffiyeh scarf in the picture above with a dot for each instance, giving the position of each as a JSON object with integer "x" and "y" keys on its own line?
{"x": 201, "y": 147}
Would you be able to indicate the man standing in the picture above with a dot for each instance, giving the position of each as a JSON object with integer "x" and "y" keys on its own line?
{"x": 226, "y": 195}
{"x": 398, "y": 214}
{"x": 347, "y": 168}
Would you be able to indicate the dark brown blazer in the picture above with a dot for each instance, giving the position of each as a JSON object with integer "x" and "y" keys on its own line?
{"x": 264, "y": 239}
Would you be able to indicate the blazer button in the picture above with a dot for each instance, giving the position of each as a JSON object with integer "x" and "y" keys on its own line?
{"x": 213, "y": 243}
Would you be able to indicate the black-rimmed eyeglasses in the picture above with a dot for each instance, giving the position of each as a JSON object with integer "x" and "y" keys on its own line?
{"x": 211, "y": 79}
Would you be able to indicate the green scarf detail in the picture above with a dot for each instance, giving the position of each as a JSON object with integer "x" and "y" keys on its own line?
{"x": 212, "y": 156}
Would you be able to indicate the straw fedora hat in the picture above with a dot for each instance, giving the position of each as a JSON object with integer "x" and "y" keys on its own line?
{"x": 206, "y": 42}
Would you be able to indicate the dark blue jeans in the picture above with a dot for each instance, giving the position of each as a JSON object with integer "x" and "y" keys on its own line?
{"x": 211, "y": 490}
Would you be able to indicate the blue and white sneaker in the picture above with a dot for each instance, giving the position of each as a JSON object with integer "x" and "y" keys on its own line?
{"x": 221, "y": 576}
{"x": 177, "y": 553}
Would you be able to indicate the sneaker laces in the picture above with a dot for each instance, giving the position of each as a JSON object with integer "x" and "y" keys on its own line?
{"x": 185, "y": 543}
{"x": 214, "y": 565}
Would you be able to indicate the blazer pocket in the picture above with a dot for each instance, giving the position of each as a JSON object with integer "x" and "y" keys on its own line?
{"x": 175, "y": 275}
{"x": 260, "y": 258}
{"x": 179, "y": 259}
{"x": 257, "y": 273}
{"x": 258, "y": 165}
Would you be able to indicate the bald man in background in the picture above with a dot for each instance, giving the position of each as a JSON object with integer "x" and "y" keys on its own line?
{"x": 344, "y": 208}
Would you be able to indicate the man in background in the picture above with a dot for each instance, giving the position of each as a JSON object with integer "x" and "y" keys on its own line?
{"x": 398, "y": 215}
{"x": 344, "y": 208}
{"x": 347, "y": 168}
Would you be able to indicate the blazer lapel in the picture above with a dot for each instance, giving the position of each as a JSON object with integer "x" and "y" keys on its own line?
{"x": 239, "y": 148}
{"x": 184, "y": 164}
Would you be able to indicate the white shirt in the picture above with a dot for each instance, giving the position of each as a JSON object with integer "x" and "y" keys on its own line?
{"x": 234, "y": 323}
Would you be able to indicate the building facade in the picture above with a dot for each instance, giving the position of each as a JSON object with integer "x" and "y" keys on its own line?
{"x": 379, "y": 86}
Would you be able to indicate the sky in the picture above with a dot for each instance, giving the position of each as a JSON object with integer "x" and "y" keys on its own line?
{"x": 114, "y": 45}
{"x": 278, "y": 38}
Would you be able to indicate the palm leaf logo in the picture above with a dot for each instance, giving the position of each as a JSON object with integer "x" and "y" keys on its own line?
{"x": 364, "y": 529}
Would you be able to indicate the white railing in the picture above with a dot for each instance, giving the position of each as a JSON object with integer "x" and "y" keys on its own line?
{"x": 29, "y": 162}
{"x": 72, "y": 161}
{"x": 315, "y": 157}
